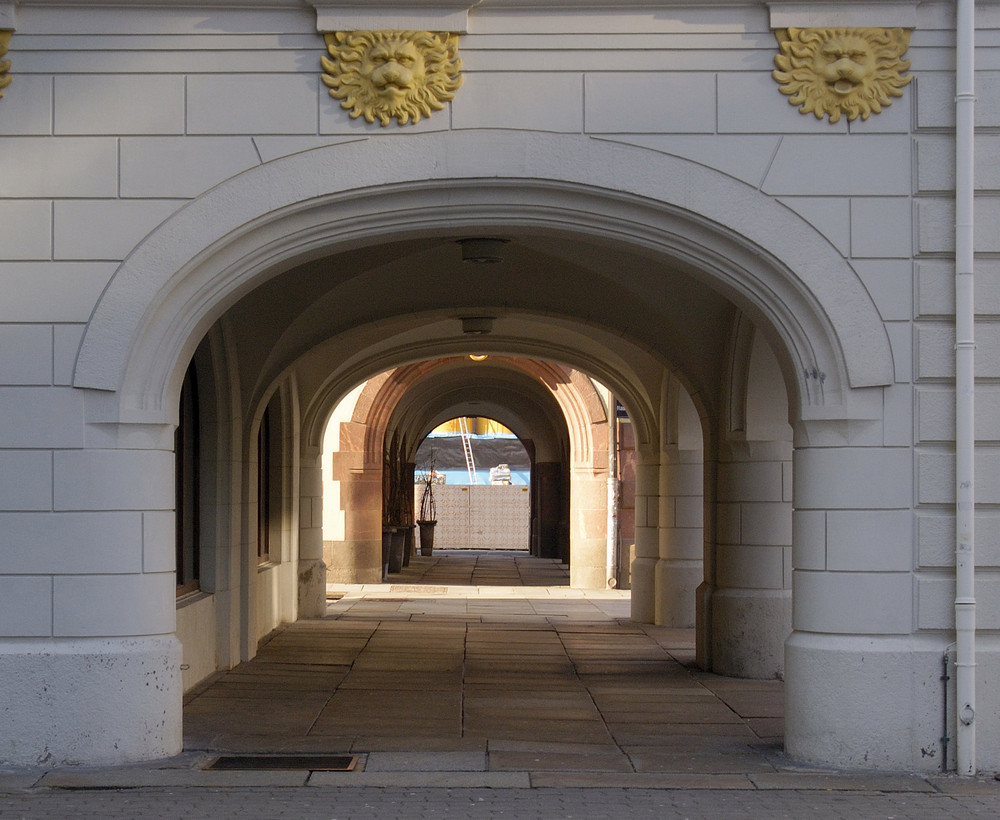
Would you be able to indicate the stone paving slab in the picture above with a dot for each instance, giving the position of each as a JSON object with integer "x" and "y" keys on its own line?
{"x": 426, "y": 762}
{"x": 132, "y": 778}
{"x": 657, "y": 760}
{"x": 537, "y": 761}
{"x": 12, "y": 781}
{"x": 410, "y": 743}
{"x": 637, "y": 780}
{"x": 449, "y": 780}
{"x": 506, "y": 745}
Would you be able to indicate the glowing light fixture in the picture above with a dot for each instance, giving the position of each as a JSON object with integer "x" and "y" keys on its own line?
{"x": 478, "y": 357}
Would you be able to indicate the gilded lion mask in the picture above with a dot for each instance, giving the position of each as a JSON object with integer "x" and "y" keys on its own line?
{"x": 842, "y": 71}
{"x": 386, "y": 75}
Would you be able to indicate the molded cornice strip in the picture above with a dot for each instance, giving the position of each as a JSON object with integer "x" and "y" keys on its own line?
{"x": 408, "y": 15}
{"x": 845, "y": 14}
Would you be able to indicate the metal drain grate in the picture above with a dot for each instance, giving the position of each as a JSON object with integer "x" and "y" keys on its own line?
{"x": 312, "y": 763}
{"x": 417, "y": 588}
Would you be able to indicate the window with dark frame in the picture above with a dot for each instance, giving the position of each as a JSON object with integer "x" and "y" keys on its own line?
{"x": 264, "y": 489}
{"x": 186, "y": 471}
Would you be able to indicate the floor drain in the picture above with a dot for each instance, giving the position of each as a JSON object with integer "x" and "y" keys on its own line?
{"x": 313, "y": 763}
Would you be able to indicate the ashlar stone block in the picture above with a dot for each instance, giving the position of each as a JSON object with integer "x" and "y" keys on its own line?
{"x": 879, "y": 167}
{"x": 935, "y": 287}
{"x": 62, "y": 543}
{"x": 182, "y": 166}
{"x": 669, "y": 101}
{"x": 25, "y": 606}
{"x": 859, "y": 603}
{"x": 114, "y": 605}
{"x": 51, "y": 292}
{"x": 936, "y": 477}
{"x": 80, "y": 226}
{"x": 230, "y": 104}
{"x": 26, "y": 229}
{"x": 27, "y": 107}
{"x": 41, "y": 417}
{"x": 870, "y": 540}
{"x": 750, "y": 102}
{"x": 67, "y": 167}
{"x": 809, "y": 539}
{"x": 119, "y": 104}
{"x": 114, "y": 480}
{"x": 25, "y": 354}
{"x": 853, "y": 478}
{"x": 881, "y": 227}
{"x": 498, "y": 101}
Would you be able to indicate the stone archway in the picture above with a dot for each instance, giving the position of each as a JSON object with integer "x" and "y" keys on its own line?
{"x": 723, "y": 234}
{"x": 201, "y": 260}
{"x": 554, "y": 408}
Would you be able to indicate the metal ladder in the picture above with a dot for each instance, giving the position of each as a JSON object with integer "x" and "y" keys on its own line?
{"x": 470, "y": 462}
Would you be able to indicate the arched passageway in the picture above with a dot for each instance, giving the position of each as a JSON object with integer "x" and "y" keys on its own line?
{"x": 678, "y": 288}
{"x": 556, "y": 412}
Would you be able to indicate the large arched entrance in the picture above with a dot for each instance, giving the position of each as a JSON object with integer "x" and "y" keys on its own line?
{"x": 313, "y": 273}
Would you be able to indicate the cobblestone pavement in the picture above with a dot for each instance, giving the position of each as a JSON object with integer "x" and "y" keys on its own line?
{"x": 479, "y": 685}
{"x": 361, "y": 803}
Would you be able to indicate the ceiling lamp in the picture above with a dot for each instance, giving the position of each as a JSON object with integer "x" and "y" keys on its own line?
{"x": 478, "y": 357}
{"x": 477, "y": 325}
{"x": 483, "y": 250}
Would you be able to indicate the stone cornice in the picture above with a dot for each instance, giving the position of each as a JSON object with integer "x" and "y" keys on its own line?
{"x": 846, "y": 13}
{"x": 418, "y": 15}
{"x": 778, "y": 7}
{"x": 784, "y": 13}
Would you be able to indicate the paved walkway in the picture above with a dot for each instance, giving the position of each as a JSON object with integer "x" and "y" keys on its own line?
{"x": 475, "y": 685}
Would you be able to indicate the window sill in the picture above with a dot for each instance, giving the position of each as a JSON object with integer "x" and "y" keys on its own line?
{"x": 192, "y": 597}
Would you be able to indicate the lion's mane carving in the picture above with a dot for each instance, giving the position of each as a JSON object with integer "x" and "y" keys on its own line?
{"x": 392, "y": 74}
{"x": 849, "y": 71}
{"x": 5, "y": 78}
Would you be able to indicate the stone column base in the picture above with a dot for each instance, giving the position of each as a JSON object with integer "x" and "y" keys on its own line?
{"x": 90, "y": 701}
{"x": 749, "y": 628}
{"x": 312, "y": 588}
{"x": 353, "y": 562}
{"x": 676, "y": 584}
{"x": 644, "y": 590}
{"x": 864, "y": 701}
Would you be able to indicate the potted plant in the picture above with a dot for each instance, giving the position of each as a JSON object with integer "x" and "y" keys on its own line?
{"x": 428, "y": 513}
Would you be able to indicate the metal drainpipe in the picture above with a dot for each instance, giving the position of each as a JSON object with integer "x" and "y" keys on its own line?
{"x": 965, "y": 349}
{"x": 611, "y": 570}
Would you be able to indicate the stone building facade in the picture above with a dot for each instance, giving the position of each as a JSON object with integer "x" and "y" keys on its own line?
{"x": 218, "y": 218}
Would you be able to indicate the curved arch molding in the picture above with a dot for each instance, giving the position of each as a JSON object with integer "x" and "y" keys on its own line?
{"x": 218, "y": 247}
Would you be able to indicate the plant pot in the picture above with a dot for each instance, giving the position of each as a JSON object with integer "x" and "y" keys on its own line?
{"x": 386, "y": 549}
{"x": 396, "y": 549}
{"x": 408, "y": 539}
{"x": 426, "y": 537}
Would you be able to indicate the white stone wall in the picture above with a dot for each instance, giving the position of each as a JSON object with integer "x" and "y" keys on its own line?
{"x": 118, "y": 116}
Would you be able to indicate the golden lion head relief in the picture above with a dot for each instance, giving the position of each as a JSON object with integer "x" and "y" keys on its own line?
{"x": 849, "y": 71}
{"x": 4, "y": 64}
{"x": 385, "y": 75}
